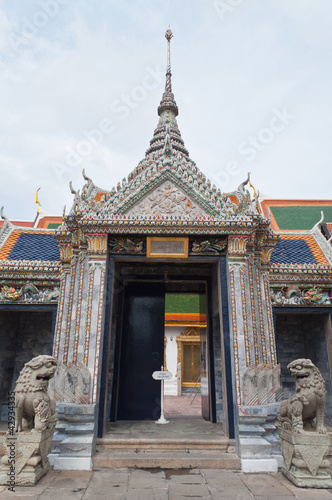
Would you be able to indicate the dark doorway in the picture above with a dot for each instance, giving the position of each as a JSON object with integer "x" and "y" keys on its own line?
{"x": 142, "y": 351}
{"x": 137, "y": 326}
{"x": 24, "y": 334}
{"x": 305, "y": 335}
{"x": 205, "y": 276}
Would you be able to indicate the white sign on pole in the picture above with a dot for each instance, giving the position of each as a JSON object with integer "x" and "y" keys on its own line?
{"x": 162, "y": 375}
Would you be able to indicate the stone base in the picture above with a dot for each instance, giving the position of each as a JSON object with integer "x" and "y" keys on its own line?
{"x": 25, "y": 461}
{"x": 303, "y": 480}
{"x": 305, "y": 462}
{"x": 29, "y": 476}
{"x": 71, "y": 463}
{"x": 74, "y": 440}
{"x": 259, "y": 465}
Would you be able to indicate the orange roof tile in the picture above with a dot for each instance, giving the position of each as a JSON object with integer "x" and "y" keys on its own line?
{"x": 9, "y": 244}
{"x": 19, "y": 223}
{"x": 45, "y": 222}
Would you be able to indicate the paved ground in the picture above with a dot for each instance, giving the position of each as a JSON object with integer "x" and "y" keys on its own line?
{"x": 136, "y": 484}
{"x": 182, "y": 406}
{"x": 193, "y": 428}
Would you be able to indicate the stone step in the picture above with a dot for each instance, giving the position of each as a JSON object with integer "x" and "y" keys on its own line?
{"x": 251, "y": 430}
{"x": 175, "y": 460}
{"x": 221, "y": 445}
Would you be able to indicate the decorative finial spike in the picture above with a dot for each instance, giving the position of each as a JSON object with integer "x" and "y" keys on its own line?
{"x": 168, "y": 36}
{"x": 37, "y": 201}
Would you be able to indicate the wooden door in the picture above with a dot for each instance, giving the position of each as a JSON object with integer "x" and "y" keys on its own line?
{"x": 191, "y": 364}
{"x": 142, "y": 351}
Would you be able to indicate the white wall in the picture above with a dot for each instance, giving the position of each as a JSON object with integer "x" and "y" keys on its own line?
{"x": 171, "y": 332}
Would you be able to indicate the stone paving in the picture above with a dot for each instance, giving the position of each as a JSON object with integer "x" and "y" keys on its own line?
{"x": 180, "y": 484}
{"x": 182, "y": 406}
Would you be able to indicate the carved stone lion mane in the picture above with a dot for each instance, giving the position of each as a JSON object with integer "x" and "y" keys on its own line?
{"x": 31, "y": 394}
{"x": 299, "y": 411}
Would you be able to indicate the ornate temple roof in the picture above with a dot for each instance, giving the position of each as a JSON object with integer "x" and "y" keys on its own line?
{"x": 166, "y": 185}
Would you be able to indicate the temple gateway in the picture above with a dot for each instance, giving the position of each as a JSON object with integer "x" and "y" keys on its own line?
{"x": 223, "y": 290}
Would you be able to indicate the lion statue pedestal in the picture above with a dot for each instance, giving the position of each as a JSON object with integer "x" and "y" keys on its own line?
{"x": 303, "y": 437}
{"x": 29, "y": 441}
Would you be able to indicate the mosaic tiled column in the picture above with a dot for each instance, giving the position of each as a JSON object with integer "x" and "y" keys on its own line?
{"x": 91, "y": 316}
{"x": 251, "y": 312}
{"x": 65, "y": 248}
{"x": 239, "y": 308}
{"x": 81, "y": 307}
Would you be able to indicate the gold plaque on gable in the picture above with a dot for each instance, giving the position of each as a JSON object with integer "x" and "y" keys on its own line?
{"x": 167, "y": 247}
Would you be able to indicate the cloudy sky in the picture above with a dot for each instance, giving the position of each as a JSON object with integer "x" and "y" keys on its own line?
{"x": 81, "y": 81}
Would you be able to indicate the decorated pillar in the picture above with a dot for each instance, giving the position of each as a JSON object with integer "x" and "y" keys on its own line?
{"x": 80, "y": 318}
{"x": 237, "y": 245}
{"x": 94, "y": 314}
{"x": 64, "y": 241}
{"x": 251, "y": 312}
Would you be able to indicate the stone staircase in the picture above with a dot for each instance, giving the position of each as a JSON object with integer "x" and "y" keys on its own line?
{"x": 166, "y": 454}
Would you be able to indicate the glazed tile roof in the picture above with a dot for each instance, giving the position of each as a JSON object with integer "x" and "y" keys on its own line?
{"x": 298, "y": 249}
{"x": 296, "y": 214}
{"x": 49, "y": 222}
{"x": 20, "y": 223}
{"x": 30, "y": 245}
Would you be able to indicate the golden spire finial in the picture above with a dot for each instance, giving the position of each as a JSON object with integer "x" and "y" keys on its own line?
{"x": 37, "y": 201}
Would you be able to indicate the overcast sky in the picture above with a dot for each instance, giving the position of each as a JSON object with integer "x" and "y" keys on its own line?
{"x": 81, "y": 81}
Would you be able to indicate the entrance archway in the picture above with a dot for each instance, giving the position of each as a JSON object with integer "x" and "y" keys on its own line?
{"x": 138, "y": 342}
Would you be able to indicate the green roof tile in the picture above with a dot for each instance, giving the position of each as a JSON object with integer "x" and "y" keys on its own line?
{"x": 185, "y": 303}
{"x": 297, "y": 217}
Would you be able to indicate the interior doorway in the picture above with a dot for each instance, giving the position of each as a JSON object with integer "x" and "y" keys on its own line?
{"x": 140, "y": 347}
{"x": 186, "y": 354}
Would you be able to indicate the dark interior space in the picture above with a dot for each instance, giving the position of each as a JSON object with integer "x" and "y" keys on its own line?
{"x": 23, "y": 335}
{"x": 306, "y": 335}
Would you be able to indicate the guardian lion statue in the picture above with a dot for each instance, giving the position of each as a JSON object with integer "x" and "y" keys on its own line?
{"x": 298, "y": 413}
{"x": 33, "y": 406}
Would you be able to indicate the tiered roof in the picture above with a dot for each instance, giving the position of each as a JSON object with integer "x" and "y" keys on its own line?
{"x": 166, "y": 185}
